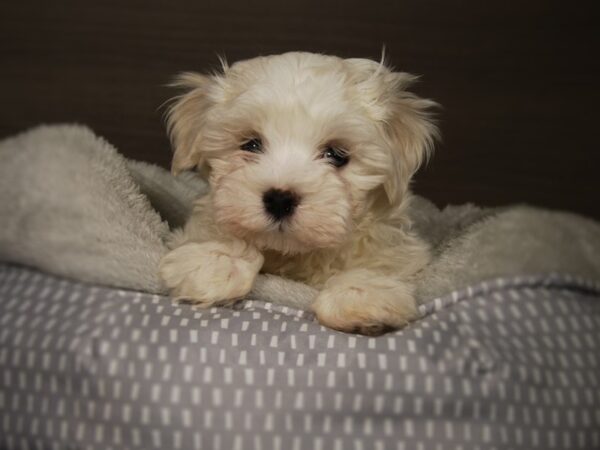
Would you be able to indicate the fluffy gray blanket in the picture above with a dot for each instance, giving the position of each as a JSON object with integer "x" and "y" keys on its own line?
{"x": 70, "y": 204}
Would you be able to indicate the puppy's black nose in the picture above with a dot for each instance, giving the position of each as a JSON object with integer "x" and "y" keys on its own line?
{"x": 280, "y": 204}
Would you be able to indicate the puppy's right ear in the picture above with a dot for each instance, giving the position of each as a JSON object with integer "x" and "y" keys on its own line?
{"x": 185, "y": 120}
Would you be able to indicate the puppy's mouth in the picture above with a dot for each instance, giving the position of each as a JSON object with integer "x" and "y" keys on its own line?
{"x": 279, "y": 227}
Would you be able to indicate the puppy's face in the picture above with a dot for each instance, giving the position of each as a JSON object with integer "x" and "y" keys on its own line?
{"x": 300, "y": 147}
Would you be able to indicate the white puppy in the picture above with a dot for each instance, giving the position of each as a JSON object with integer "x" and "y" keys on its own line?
{"x": 309, "y": 159}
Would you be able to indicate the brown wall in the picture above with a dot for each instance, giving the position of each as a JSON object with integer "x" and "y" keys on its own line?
{"x": 518, "y": 79}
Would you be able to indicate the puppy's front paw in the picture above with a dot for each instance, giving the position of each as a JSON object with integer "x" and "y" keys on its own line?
{"x": 210, "y": 273}
{"x": 361, "y": 301}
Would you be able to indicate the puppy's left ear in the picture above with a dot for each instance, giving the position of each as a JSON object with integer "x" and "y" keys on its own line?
{"x": 186, "y": 118}
{"x": 410, "y": 129}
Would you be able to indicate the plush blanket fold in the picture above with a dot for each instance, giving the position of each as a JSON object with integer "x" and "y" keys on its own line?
{"x": 70, "y": 204}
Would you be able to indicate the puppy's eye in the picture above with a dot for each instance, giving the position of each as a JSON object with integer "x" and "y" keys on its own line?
{"x": 253, "y": 145}
{"x": 335, "y": 156}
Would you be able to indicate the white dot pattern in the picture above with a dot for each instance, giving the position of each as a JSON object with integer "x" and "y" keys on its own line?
{"x": 507, "y": 364}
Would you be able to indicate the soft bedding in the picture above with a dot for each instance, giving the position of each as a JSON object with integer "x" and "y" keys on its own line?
{"x": 511, "y": 363}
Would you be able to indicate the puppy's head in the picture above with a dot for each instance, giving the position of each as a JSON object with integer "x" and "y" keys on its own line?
{"x": 299, "y": 147}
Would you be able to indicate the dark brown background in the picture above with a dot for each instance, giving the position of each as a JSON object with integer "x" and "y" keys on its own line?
{"x": 518, "y": 80}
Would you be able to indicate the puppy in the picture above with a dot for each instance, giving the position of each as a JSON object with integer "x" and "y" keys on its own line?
{"x": 309, "y": 159}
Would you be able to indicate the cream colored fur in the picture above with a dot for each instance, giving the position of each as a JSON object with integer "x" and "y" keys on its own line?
{"x": 349, "y": 236}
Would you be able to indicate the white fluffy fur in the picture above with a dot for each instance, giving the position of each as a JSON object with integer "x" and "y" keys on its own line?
{"x": 349, "y": 236}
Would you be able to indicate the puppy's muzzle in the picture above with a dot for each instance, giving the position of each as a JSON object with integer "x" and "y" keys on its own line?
{"x": 280, "y": 204}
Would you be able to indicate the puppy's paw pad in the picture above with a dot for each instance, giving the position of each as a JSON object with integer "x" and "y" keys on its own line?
{"x": 373, "y": 330}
